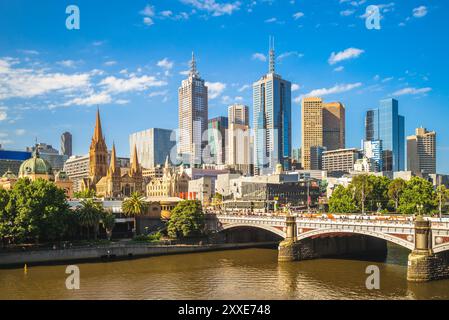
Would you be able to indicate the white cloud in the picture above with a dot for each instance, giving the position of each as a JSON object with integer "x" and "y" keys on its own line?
{"x": 214, "y": 8}
{"x": 3, "y": 115}
{"x": 158, "y": 93}
{"x": 93, "y": 99}
{"x": 244, "y": 87}
{"x": 29, "y": 52}
{"x": 339, "y": 88}
{"x": 215, "y": 89}
{"x": 132, "y": 83}
{"x": 110, "y": 63}
{"x": 27, "y": 83}
{"x": 298, "y": 15}
{"x": 184, "y": 73}
{"x": 259, "y": 56}
{"x": 349, "y": 53}
{"x": 412, "y": 91}
{"x": 165, "y": 63}
{"x": 420, "y": 12}
{"x": 289, "y": 54}
{"x": 295, "y": 87}
{"x": 148, "y": 13}
{"x": 339, "y": 69}
{"x": 166, "y": 13}
{"x": 20, "y": 132}
{"x": 271, "y": 20}
{"x": 346, "y": 13}
{"x": 67, "y": 63}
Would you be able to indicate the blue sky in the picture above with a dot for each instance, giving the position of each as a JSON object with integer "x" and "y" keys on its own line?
{"x": 130, "y": 57}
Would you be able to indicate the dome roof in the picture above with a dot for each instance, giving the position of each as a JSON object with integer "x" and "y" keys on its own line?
{"x": 9, "y": 175}
{"x": 35, "y": 165}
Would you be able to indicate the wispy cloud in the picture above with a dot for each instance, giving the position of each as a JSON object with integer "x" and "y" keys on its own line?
{"x": 338, "y": 88}
{"x": 259, "y": 56}
{"x": 148, "y": 15}
{"x": 215, "y": 89}
{"x": 214, "y": 8}
{"x": 420, "y": 12}
{"x": 298, "y": 15}
{"x": 350, "y": 53}
{"x": 289, "y": 54}
{"x": 412, "y": 91}
{"x": 165, "y": 64}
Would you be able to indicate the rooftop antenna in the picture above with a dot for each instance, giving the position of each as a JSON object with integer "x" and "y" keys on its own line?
{"x": 193, "y": 70}
{"x": 272, "y": 55}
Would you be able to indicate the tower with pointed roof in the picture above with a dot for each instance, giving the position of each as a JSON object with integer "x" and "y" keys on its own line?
{"x": 98, "y": 154}
{"x": 193, "y": 116}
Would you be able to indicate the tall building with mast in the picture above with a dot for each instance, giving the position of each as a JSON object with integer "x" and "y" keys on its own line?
{"x": 272, "y": 120}
{"x": 193, "y": 117}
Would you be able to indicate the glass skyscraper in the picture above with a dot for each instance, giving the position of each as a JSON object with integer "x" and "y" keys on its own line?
{"x": 272, "y": 121}
{"x": 387, "y": 125}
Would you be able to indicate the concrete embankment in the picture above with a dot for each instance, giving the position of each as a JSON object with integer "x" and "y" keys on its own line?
{"x": 111, "y": 252}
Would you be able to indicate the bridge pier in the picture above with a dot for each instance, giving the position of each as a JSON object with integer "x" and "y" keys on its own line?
{"x": 423, "y": 264}
{"x": 288, "y": 249}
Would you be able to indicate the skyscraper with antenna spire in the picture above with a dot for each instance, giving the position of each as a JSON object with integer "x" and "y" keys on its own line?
{"x": 193, "y": 116}
{"x": 272, "y": 119}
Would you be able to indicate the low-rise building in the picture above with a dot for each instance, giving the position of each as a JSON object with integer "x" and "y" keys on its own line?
{"x": 341, "y": 161}
{"x": 201, "y": 189}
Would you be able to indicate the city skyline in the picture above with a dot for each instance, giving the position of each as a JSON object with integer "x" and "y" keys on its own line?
{"x": 148, "y": 96}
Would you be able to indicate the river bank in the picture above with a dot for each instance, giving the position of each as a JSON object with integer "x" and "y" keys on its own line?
{"x": 115, "y": 251}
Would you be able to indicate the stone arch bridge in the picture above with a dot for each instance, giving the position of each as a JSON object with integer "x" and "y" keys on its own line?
{"x": 308, "y": 238}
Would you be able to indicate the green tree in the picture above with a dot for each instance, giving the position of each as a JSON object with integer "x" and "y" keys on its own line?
{"x": 417, "y": 191}
{"x": 186, "y": 220}
{"x": 378, "y": 192}
{"x": 37, "y": 211}
{"x": 442, "y": 197}
{"x": 362, "y": 188}
{"x": 108, "y": 222}
{"x": 395, "y": 190}
{"x": 342, "y": 201}
{"x": 5, "y": 218}
{"x": 89, "y": 215}
{"x": 134, "y": 206}
{"x": 85, "y": 194}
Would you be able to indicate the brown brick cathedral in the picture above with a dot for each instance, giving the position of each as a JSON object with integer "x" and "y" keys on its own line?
{"x": 107, "y": 179}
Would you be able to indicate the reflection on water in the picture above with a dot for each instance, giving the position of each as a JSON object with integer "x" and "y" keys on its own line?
{"x": 238, "y": 274}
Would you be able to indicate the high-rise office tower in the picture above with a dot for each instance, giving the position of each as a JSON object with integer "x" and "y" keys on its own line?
{"x": 311, "y": 127}
{"x": 153, "y": 146}
{"x": 421, "y": 152}
{"x": 66, "y": 144}
{"x": 193, "y": 116}
{"x": 272, "y": 120}
{"x": 238, "y": 149}
{"x": 238, "y": 114}
{"x": 334, "y": 125}
{"x": 217, "y": 139}
{"x": 387, "y": 125}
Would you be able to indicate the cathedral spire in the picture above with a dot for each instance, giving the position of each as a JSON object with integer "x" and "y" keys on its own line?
{"x": 113, "y": 163}
{"x": 193, "y": 70}
{"x": 134, "y": 161}
{"x": 272, "y": 56}
{"x": 98, "y": 133}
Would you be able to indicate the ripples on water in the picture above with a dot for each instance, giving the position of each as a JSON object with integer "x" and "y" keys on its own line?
{"x": 236, "y": 274}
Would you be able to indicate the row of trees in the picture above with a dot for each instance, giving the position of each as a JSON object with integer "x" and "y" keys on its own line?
{"x": 38, "y": 211}
{"x": 372, "y": 193}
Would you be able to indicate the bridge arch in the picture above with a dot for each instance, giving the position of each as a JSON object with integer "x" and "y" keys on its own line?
{"x": 384, "y": 236}
{"x": 257, "y": 226}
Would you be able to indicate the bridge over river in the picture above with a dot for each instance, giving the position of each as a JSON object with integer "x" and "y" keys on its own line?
{"x": 307, "y": 236}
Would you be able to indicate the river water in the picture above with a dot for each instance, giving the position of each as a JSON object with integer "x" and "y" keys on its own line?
{"x": 234, "y": 274}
